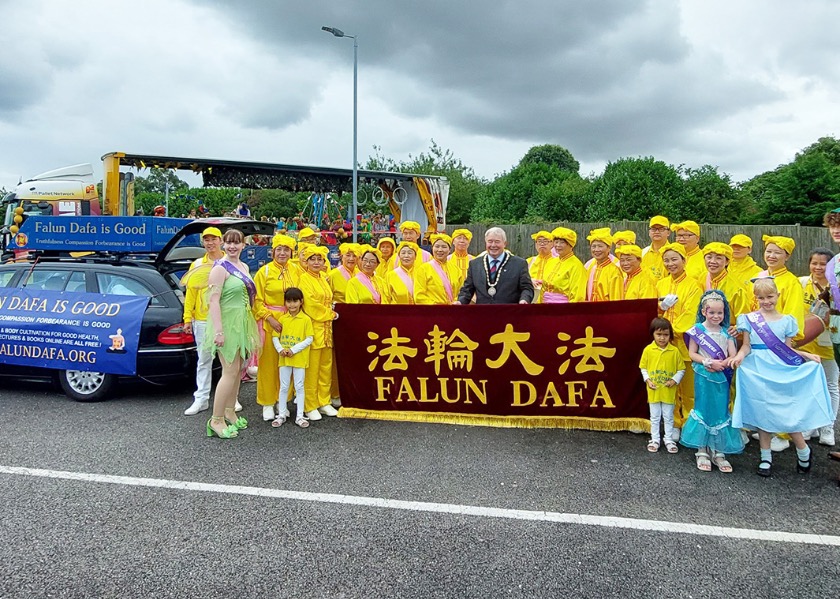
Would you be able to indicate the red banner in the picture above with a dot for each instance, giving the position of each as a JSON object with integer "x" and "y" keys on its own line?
{"x": 557, "y": 365}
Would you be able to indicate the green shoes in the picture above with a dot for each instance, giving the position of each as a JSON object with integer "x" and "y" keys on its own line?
{"x": 229, "y": 432}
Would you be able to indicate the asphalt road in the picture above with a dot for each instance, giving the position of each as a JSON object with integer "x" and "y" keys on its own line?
{"x": 72, "y": 538}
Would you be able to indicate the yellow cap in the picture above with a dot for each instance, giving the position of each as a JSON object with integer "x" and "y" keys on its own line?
{"x": 544, "y": 234}
{"x": 283, "y": 240}
{"x": 410, "y": 245}
{"x": 625, "y": 236}
{"x": 440, "y": 237}
{"x": 629, "y": 249}
{"x": 349, "y": 248}
{"x": 660, "y": 221}
{"x": 567, "y": 234}
{"x": 465, "y": 232}
{"x": 306, "y": 232}
{"x": 786, "y": 243}
{"x": 717, "y": 247}
{"x": 365, "y": 248}
{"x": 602, "y": 235}
{"x": 410, "y": 224}
{"x": 312, "y": 249}
{"x": 674, "y": 247}
{"x": 688, "y": 225}
{"x": 386, "y": 240}
{"x": 214, "y": 231}
{"x": 744, "y": 241}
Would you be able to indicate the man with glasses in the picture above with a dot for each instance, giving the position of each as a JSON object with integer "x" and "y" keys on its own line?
{"x": 688, "y": 234}
{"x": 542, "y": 263}
{"x": 659, "y": 232}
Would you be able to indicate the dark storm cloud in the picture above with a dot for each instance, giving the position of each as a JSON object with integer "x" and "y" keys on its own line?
{"x": 603, "y": 77}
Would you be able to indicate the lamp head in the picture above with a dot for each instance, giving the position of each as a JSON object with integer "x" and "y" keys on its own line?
{"x": 334, "y": 31}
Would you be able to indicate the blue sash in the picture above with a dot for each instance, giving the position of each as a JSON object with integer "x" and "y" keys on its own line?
{"x": 246, "y": 280}
{"x": 773, "y": 343}
{"x": 710, "y": 346}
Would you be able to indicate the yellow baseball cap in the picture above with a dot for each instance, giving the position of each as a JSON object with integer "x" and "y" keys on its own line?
{"x": 214, "y": 231}
{"x": 306, "y": 232}
{"x": 660, "y": 221}
{"x": 742, "y": 240}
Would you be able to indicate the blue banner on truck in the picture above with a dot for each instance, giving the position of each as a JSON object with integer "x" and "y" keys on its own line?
{"x": 70, "y": 331}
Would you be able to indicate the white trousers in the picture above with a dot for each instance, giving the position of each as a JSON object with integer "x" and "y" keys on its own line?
{"x": 204, "y": 365}
{"x": 658, "y": 413}
{"x": 287, "y": 373}
{"x": 832, "y": 374}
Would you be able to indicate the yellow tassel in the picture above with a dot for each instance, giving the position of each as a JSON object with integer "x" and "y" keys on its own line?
{"x": 634, "y": 425}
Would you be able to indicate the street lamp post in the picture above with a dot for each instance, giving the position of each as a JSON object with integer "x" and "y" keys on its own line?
{"x": 340, "y": 33}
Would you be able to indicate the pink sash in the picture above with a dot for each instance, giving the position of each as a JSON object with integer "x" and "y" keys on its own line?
{"x": 365, "y": 280}
{"x": 407, "y": 281}
{"x": 261, "y": 321}
{"x": 590, "y": 284}
{"x": 345, "y": 273}
{"x": 447, "y": 284}
{"x": 551, "y": 297}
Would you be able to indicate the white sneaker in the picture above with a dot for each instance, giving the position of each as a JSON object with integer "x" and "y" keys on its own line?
{"x": 268, "y": 413}
{"x": 779, "y": 444}
{"x": 754, "y": 435}
{"x": 328, "y": 410}
{"x": 237, "y": 407}
{"x": 196, "y": 407}
{"x": 314, "y": 415}
{"x": 827, "y": 436}
{"x": 675, "y": 436}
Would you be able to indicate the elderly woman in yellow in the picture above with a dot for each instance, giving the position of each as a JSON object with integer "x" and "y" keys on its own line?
{"x": 717, "y": 256}
{"x": 688, "y": 234}
{"x": 565, "y": 281}
{"x": 438, "y": 281}
{"x": 621, "y": 238}
{"x": 388, "y": 248}
{"x": 341, "y": 276}
{"x": 411, "y": 231}
{"x": 742, "y": 267}
{"x": 638, "y": 284}
{"x": 659, "y": 230}
{"x": 605, "y": 281}
{"x": 367, "y": 287}
{"x": 680, "y": 295}
{"x": 540, "y": 265}
{"x": 271, "y": 281}
{"x": 461, "y": 257}
{"x": 317, "y": 305}
{"x": 400, "y": 281}
{"x": 307, "y": 235}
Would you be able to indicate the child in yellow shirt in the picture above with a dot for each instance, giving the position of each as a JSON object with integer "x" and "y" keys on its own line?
{"x": 662, "y": 369}
{"x": 292, "y": 343}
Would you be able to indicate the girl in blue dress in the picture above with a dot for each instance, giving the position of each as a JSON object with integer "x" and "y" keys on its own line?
{"x": 708, "y": 427}
{"x": 778, "y": 389}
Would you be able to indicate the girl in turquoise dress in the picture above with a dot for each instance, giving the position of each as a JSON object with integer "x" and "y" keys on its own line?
{"x": 708, "y": 427}
{"x": 778, "y": 389}
{"x": 231, "y": 332}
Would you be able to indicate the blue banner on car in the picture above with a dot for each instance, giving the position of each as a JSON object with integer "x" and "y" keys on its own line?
{"x": 70, "y": 331}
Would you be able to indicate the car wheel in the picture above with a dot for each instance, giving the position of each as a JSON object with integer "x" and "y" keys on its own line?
{"x": 83, "y": 385}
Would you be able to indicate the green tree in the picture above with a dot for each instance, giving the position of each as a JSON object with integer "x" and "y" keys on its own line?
{"x": 636, "y": 189}
{"x": 710, "y": 197}
{"x": 277, "y": 203}
{"x": 509, "y": 197}
{"x": 551, "y": 154}
{"x": 157, "y": 180}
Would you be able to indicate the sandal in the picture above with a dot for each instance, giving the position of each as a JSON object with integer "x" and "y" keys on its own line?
{"x": 302, "y": 422}
{"x": 672, "y": 447}
{"x": 278, "y": 422}
{"x": 765, "y": 472}
{"x": 721, "y": 462}
{"x": 703, "y": 462}
{"x": 653, "y": 446}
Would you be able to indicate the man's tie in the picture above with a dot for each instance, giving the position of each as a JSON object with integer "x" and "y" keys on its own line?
{"x": 494, "y": 265}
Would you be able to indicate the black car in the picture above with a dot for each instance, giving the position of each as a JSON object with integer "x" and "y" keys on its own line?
{"x": 166, "y": 354}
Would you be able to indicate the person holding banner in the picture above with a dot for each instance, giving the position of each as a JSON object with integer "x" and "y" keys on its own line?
{"x": 388, "y": 248}
{"x": 231, "y": 332}
{"x": 195, "y": 321}
{"x": 638, "y": 284}
{"x": 540, "y": 265}
{"x": 708, "y": 428}
{"x": 411, "y": 232}
{"x": 680, "y": 295}
{"x": 742, "y": 267}
{"x": 400, "y": 281}
{"x": 341, "y": 276}
{"x": 366, "y": 287}
{"x": 778, "y": 389}
{"x": 717, "y": 257}
{"x": 271, "y": 281}
{"x": 688, "y": 234}
{"x": 605, "y": 280}
{"x": 461, "y": 239}
{"x": 658, "y": 231}
{"x": 318, "y": 305}
{"x": 437, "y": 282}
{"x": 498, "y": 277}
{"x": 566, "y": 281}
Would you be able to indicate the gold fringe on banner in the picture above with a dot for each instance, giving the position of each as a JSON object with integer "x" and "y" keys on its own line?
{"x": 633, "y": 425}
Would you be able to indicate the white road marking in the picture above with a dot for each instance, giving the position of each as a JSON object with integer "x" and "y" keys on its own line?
{"x": 444, "y": 508}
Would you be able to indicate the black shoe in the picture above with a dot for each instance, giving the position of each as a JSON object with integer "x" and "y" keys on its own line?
{"x": 807, "y": 465}
{"x": 765, "y": 472}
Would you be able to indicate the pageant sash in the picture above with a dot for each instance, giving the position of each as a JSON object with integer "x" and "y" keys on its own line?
{"x": 246, "y": 280}
{"x": 773, "y": 343}
{"x": 365, "y": 280}
{"x": 444, "y": 278}
{"x": 709, "y": 345}
{"x": 345, "y": 273}
{"x": 831, "y": 275}
{"x": 407, "y": 281}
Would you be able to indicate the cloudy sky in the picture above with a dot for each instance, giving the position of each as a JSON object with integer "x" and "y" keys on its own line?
{"x": 741, "y": 85}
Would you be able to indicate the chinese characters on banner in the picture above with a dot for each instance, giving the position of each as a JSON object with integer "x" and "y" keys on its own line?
{"x": 559, "y": 365}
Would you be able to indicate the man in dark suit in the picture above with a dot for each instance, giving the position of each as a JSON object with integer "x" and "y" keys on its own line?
{"x": 497, "y": 277}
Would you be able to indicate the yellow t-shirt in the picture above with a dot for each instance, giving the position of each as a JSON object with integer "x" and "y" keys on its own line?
{"x": 295, "y": 330}
{"x": 661, "y": 365}
{"x": 652, "y": 263}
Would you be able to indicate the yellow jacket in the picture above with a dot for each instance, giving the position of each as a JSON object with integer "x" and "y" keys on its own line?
{"x": 195, "y": 303}
{"x": 428, "y": 286}
{"x": 695, "y": 264}
{"x": 567, "y": 276}
{"x": 317, "y": 305}
{"x": 397, "y": 290}
{"x": 386, "y": 266}
{"x": 738, "y": 296}
{"x": 271, "y": 281}
{"x": 791, "y": 298}
{"x": 652, "y": 263}
{"x": 462, "y": 262}
{"x": 743, "y": 270}
{"x": 683, "y": 314}
{"x": 338, "y": 283}
{"x": 639, "y": 285}
{"x": 358, "y": 293}
{"x": 607, "y": 282}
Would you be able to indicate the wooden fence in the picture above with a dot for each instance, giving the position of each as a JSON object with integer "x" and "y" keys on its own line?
{"x": 520, "y": 243}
